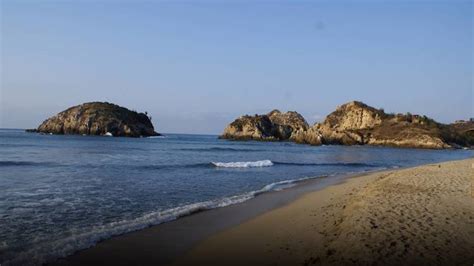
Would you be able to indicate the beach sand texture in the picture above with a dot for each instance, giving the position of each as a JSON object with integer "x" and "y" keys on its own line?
{"x": 416, "y": 216}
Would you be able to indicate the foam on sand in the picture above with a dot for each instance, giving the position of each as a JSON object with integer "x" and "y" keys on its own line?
{"x": 423, "y": 210}
{"x": 50, "y": 250}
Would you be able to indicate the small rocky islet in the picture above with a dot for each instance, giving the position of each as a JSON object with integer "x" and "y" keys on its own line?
{"x": 98, "y": 118}
{"x": 354, "y": 123}
{"x": 272, "y": 126}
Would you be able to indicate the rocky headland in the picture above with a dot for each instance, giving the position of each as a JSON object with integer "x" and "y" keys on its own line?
{"x": 98, "y": 118}
{"x": 355, "y": 123}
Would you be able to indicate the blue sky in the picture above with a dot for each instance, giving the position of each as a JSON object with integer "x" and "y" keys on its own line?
{"x": 195, "y": 66}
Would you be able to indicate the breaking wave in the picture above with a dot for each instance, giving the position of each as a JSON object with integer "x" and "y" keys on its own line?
{"x": 252, "y": 164}
{"x": 263, "y": 163}
{"x": 82, "y": 239}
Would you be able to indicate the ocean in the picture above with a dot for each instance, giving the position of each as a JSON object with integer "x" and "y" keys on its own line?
{"x": 60, "y": 194}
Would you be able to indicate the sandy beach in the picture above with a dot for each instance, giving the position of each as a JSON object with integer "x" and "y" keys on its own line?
{"x": 415, "y": 216}
{"x": 236, "y": 132}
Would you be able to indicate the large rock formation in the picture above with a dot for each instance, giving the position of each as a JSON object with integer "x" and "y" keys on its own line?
{"x": 356, "y": 123}
{"x": 342, "y": 125}
{"x": 287, "y": 124}
{"x": 272, "y": 126}
{"x": 99, "y": 118}
{"x": 311, "y": 136}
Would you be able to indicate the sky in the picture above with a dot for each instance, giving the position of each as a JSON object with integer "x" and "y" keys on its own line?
{"x": 195, "y": 66}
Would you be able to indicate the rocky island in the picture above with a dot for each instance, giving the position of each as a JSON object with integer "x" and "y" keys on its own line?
{"x": 272, "y": 126}
{"x": 355, "y": 123}
{"x": 99, "y": 118}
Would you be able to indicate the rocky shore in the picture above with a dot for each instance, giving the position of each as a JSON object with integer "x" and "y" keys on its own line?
{"x": 354, "y": 123}
{"x": 98, "y": 118}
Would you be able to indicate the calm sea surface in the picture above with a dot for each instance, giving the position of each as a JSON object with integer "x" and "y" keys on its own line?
{"x": 59, "y": 194}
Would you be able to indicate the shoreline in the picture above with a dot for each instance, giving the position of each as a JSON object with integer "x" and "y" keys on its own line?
{"x": 421, "y": 215}
{"x": 185, "y": 240}
{"x": 194, "y": 227}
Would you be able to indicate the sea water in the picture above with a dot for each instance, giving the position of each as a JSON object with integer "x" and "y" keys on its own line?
{"x": 60, "y": 194}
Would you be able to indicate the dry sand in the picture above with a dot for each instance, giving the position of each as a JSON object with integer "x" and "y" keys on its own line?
{"x": 416, "y": 216}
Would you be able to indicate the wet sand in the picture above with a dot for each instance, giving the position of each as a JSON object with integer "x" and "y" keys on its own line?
{"x": 164, "y": 243}
{"x": 415, "y": 216}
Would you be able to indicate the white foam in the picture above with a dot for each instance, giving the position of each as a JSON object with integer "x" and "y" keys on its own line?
{"x": 263, "y": 163}
{"x": 82, "y": 239}
{"x": 278, "y": 186}
{"x": 108, "y": 134}
{"x": 156, "y": 137}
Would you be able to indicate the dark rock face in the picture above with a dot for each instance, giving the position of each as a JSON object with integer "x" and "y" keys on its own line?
{"x": 250, "y": 127}
{"x": 356, "y": 123}
{"x": 311, "y": 136}
{"x": 99, "y": 118}
{"x": 272, "y": 126}
{"x": 286, "y": 124}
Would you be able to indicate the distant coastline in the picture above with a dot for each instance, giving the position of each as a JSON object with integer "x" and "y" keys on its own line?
{"x": 354, "y": 123}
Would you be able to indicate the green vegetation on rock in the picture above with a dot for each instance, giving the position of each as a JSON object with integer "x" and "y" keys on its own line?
{"x": 99, "y": 118}
{"x": 356, "y": 123}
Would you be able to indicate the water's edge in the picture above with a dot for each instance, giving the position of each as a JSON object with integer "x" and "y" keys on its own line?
{"x": 193, "y": 227}
{"x": 68, "y": 193}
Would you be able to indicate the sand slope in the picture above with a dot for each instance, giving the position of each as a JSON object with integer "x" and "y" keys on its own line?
{"x": 416, "y": 216}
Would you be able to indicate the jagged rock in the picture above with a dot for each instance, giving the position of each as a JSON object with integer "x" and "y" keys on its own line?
{"x": 99, "y": 118}
{"x": 353, "y": 116}
{"x": 355, "y": 123}
{"x": 272, "y": 126}
{"x": 311, "y": 136}
{"x": 340, "y": 127}
{"x": 258, "y": 127}
{"x": 285, "y": 124}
